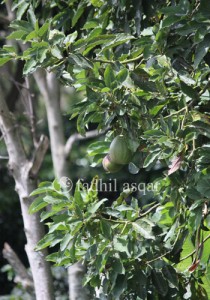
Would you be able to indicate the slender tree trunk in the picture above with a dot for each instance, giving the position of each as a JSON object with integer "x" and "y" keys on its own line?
{"x": 49, "y": 88}
{"x": 20, "y": 168}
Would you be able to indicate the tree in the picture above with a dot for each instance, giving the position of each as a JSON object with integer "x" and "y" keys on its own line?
{"x": 142, "y": 71}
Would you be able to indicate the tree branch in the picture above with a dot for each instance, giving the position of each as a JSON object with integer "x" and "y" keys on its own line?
{"x": 22, "y": 275}
{"x": 78, "y": 137}
{"x": 20, "y": 167}
{"x": 11, "y": 14}
{"x": 50, "y": 90}
{"x": 4, "y": 157}
{"x": 31, "y": 112}
{"x": 39, "y": 156}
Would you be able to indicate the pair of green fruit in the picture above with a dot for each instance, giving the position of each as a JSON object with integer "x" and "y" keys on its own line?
{"x": 118, "y": 156}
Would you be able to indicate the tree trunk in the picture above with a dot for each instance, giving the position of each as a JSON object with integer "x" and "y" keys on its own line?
{"x": 20, "y": 168}
{"x": 49, "y": 88}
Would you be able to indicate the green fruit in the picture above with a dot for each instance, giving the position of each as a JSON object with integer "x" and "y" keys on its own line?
{"x": 109, "y": 166}
{"x": 119, "y": 151}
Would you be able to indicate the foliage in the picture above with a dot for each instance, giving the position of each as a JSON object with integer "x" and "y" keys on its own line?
{"x": 142, "y": 68}
{"x": 122, "y": 247}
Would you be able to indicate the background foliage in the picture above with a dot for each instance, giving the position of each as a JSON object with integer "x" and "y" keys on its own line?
{"x": 141, "y": 69}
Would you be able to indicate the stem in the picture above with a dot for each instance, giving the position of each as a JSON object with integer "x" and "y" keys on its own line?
{"x": 116, "y": 221}
{"x": 168, "y": 252}
{"x": 148, "y": 211}
{"x": 193, "y": 252}
{"x": 126, "y": 61}
{"x": 205, "y": 87}
{"x": 176, "y": 112}
{"x": 159, "y": 257}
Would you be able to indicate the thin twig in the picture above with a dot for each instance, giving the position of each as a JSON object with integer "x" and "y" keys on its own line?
{"x": 166, "y": 253}
{"x": 126, "y": 61}
{"x": 78, "y": 137}
{"x": 4, "y": 157}
{"x": 31, "y": 113}
{"x": 39, "y": 155}
{"x": 193, "y": 252}
{"x": 159, "y": 257}
{"x": 176, "y": 112}
{"x": 148, "y": 211}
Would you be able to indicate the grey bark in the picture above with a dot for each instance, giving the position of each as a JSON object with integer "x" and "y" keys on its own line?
{"x": 21, "y": 274}
{"x": 20, "y": 168}
{"x": 49, "y": 88}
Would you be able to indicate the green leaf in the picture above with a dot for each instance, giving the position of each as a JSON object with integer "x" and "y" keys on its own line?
{"x": 151, "y": 158}
{"x": 106, "y": 229}
{"x": 22, "y": 25}
{"x": 32, "y": 16}
{"x": 56, "y": 52}
{"x": 77, "y": 15}
{"x": 52, "y": 257}
{"x": 201, "y": 50}
{"x": 71, "y": 38}
{"x": 45, "y": 242}
{"x": 94, "y": 207}
{"x": 119, "y": 287}
{"x": 43, "y": 29}
{"x": 121, "y": 244}
{"x": 170, "y": 20}
{"x": 4, "y": 60}
{"x": 99, "y": 147}
{"x": 97, "y": 3}
{"x": 56, "y": 37}
{"x": 159, "y": 282}
{"x": 187, "y": 248}
{"x": 76, "y": 228}
{"x": 122, "y": 75}
{"x": 203, "y": 186}
{"x": 17, "y": 35}
{"x": 80, "y": 61}
{"x": 188, "y": 90}
{"x": 117, "y": 266}
{"x": 30, "y": 66}
{"x": 120, "y": 38}
{"x": 31, "y": 36}
{"x": 153, "y": 133}
{"x": 109, "y": 76}
{"x": 155, "y": 110}
{"x": 171, "y": 276}
{"x": 206, "y": 280}
{"x": 180, "y": 10}
{"x": 65, "y": 241}
{"x": 78, "y": 211}
{"x": 41, "y": 190}
{"x": 57, "y": 226}
{"x": 54, "y": 200}
{"x": 143, "y": 230}
{"x": 21, "y": 10}
{"x": 9, "y": 49}
{"x": 37, "y": 204}
{"x": 87, "y": 45}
